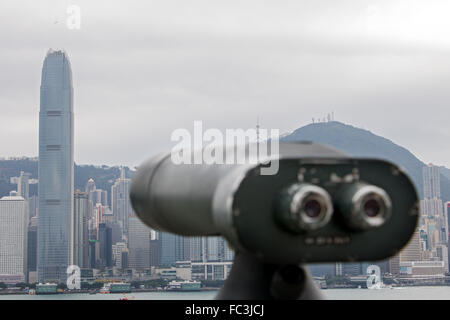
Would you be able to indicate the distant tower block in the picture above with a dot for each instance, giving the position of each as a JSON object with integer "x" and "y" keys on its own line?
{"x": 431, "y": 181}
{"x": 23, "y": 185}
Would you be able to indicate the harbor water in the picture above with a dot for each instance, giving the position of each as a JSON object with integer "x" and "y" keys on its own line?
{"x": 397, "y": 293}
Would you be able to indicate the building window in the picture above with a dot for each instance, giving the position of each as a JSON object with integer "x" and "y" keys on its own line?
{"x": 52, "y": 202}
{"x": 53, "y": 113}
{"x": 53, "y": 147}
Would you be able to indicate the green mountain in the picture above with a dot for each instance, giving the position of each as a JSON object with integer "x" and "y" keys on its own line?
{"x": 363, "y": 143}
{"x": 352, "y": 140}
{"x": 103, "y": 176}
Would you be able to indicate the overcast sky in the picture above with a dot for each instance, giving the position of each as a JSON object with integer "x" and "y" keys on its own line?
{"x": 144, "y": 68}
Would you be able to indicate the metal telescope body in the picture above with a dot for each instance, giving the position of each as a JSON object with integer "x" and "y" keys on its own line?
{"x": 321, "y": 206}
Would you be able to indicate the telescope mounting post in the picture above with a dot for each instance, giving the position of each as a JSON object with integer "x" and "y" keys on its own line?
{"x": 252, "y": 279}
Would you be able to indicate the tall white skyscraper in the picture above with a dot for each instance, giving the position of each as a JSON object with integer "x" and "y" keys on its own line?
{"x": 433, "y": 220}
{"x": 431, "y": 207}
{"x": 55, "y": 168}
{"x": 447, "y": 231}
{"x": 23, "y": 185}
{"x": 431, "y": 181}
{"x": 120, "y": 201}
{"x": 13, "y": 238}
{"x": 138, "y": 244}
{"x": 90, "y": 185}
{"x": 80, "y": 230}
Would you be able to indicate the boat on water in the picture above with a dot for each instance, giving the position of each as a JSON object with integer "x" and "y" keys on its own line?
{"x": 186, "y": 285}
{"x": 125, "y": 298}
{"x": 116, "y": 287}
{"x": 47, "y": 288}
{"x": 104, "y": 289}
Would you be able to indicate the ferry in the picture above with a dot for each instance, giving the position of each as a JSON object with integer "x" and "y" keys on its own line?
{"x": 46, "y": 288}
{"x": 184, "y": 285}
{"x": 116, "y": 287}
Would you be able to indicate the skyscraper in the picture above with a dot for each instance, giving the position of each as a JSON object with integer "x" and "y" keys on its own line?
{"x": 80, "y": 230}
{"x": 55, "y": 168}
{"x": 431, "y": 205}
{"x": 154, "y": 251}
{"x": 172, "y": 248}
{"x": 431, "y": 181}
{"x": 120, "y": 201}
{"x": 138, "y": 244}
{"x": 434, "y": 217}
{"x": 105, "y": 242}
{"x": 227, "y": 252}
{"x": 210, "y": 249}
{"x": 90, "y": 185}
{"x": 117, "y": 252}
{"x": 198, "y": 249}
{"x": 13, "y": 238}
{"x": 32, "y": 251}
{"x": 446, "y": 233}
{"x": 23, "y": 185}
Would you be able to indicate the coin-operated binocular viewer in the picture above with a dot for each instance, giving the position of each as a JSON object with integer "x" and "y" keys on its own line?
{"x": 321, "y": 206}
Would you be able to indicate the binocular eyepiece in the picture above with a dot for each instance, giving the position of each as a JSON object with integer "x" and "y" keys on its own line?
{"x": 365, "y": 206}
{"x": 305, "y": 207}
{"x": 321, "y": 205}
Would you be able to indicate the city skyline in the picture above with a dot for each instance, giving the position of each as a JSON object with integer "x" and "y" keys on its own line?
{"x": 128, "y": 102}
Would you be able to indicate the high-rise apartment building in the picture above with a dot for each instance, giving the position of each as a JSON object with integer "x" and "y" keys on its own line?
{"x": 431, "y": 207}
{"x": 80, "y": 248}
{"x": 31, "y": 252}
{"x": 434, "y": 220}
{"x": 105, "y": 242}
{"x": 447, "y": 219}
{"x": 431, "y": 181}
{"x": 13, "y": 238}
{"x": 171, "y": 248}
{"x": 23, "y": 185}
{"x": 138, "y": 244}
{"x": 120, "y": 201}
{"x": 90, "y": 185}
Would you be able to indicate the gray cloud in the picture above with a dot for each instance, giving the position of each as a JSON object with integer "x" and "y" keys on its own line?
{"x": 143, "y": 69}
